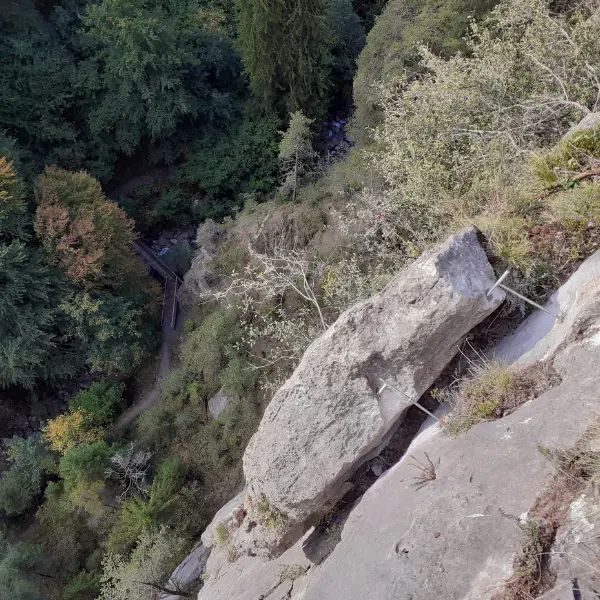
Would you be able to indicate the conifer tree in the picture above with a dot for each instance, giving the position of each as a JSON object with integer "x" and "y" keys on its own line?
{"x": 295, "y": 151}
{"x": 286, "y": 49}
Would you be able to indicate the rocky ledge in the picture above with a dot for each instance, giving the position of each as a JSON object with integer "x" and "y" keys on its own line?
{"x": 459, "y": 535}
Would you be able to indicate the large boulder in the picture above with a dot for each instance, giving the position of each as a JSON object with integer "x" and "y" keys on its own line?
{"x": 218, "y": 403}
{"x": 457, "y": 536}
{"x": 328, "y": 417}
{"x": 188, "y": 575}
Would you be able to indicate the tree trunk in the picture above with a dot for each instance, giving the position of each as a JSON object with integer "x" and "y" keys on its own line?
{"x": 165, "y": 590}
{"x": 295, "y": 178}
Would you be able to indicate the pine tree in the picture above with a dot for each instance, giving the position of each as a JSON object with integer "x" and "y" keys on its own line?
{"x": 30, "y": 294}
{"x": 30, "y": 341}
{"x": 13, "y": 209}
{"x": 286, "y": 49}
{"x": 295, "y": 151}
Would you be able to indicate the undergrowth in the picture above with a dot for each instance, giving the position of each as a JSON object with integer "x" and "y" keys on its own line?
{"x": 577, "y": 469}
{"x": 492, "y": 389}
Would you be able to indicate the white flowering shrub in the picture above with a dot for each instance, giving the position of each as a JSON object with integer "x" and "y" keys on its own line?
{"x": 469, "y": 120}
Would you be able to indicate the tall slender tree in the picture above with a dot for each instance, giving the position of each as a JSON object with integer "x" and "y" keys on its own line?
{"x": 295, "y": 151}
{"x": 30, "y": 294}
{"x": 286, "y": 49}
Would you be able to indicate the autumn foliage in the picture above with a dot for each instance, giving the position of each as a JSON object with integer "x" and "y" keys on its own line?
{"x": 87, "y": 236}
{"x": 67, "y": 431}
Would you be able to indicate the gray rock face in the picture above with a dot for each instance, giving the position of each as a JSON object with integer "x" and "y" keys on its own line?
{"x": 576, "y": 550}
{"x": 189, "y": 573}
{"x": 588, "y": 122}
{"x": 328, "y": 416}
{"x": 227, "y": 516}
{"x": 218, "y": 403}
{"x": 448, "y": 539}
{"x": 538, "y": 337}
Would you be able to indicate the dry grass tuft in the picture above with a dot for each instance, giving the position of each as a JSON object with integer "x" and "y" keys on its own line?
{"x": 577, "y": 467}
{"x": 493, "y": 389}
{"x": 532, "y": 576}
{"x": 426, "y": 471}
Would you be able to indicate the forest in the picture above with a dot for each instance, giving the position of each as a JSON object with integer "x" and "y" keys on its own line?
{"x": 314, "y": 147}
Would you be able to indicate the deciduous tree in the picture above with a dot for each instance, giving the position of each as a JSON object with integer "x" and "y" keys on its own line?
{"x": 88, "y": 237}
{"x": 100, "y": 403}
{"x": 67, "y": 431}
{"x": 145, "y": 573}
{"x": 17, "y": 562}
{"x": 30, "y": 462}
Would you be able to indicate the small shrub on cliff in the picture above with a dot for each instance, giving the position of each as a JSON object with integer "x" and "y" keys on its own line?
{"x": 266, "y": 514}
{"x": 576, "y": 153}
{"x": 581, "y": 203}
{"x": 493, "y": 389}
{"x": 469, "y": 120}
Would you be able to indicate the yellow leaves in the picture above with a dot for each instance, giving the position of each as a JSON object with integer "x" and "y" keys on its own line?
{"x": 331, "y": 280}
{"x": 69, "y": 430}
{"x": 6, "y": 169}
{"x": 6, "y": 174}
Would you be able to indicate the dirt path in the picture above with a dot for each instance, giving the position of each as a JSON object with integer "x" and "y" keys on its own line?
{"x": 152, "y": 396}
{"x": 169, "y": 335}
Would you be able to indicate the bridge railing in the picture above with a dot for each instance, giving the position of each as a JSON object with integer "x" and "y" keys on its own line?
{"x": 169, "y": 276}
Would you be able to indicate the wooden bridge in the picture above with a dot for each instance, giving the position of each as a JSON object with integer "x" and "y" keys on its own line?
{"x": 168, "y": 317}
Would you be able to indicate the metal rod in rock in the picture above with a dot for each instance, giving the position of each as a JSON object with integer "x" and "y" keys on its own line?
{"x": 386, "y": 384}
{"x": 499, "y": 284}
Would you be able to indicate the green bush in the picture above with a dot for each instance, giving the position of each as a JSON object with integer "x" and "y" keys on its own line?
{"x": 64, "y": 535}
{"x": 30, "y": 463}
{"x": 140, "y": 513}
{"x": 231, "y": 258}
{"x": 176, "y": 382}
{"x": 240, "y": 160}
{"x": 85, "y": 463}
{"x": 173, "y": 207}
{"x": 238, "y": 378}
{"x": 576, "y": 153}
{"x": 207, "y": 350}
{"x": 155, "y": 428}
{"x": 391, "y": 46}
{"x": 84, "y": 586}
{"x": 17, "y": 563}
{"x": 581, "y": 203}
{"x": 159, "y": 205}
{"x": 100, "y": 403}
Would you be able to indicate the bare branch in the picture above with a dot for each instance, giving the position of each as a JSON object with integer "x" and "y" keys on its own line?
{"x": 130, "y": 466}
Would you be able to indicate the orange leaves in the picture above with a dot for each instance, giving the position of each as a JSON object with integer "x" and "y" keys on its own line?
{"x": 6, "y": 170}
{"x": 52, "y": 219}
{"x": 86, "y": 235}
